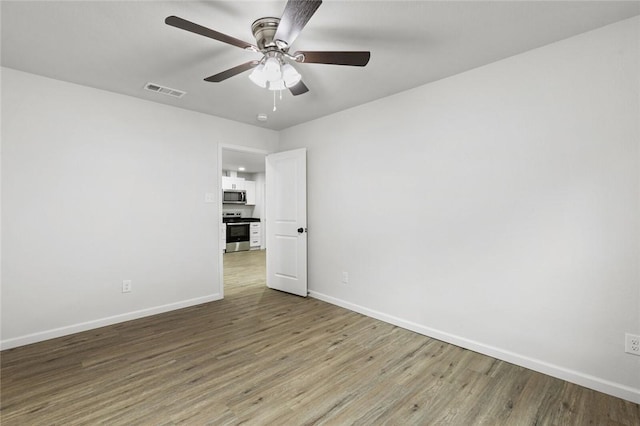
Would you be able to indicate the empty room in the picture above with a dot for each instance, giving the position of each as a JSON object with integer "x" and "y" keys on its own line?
{"x": 206, "y": 212}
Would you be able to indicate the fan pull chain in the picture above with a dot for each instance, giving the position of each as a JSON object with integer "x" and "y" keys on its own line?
{"x": 274, "y": 98}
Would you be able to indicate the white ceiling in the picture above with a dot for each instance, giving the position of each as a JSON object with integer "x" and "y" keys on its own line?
{"x": 233, "y": 160}
{"x": 119, "y": 46}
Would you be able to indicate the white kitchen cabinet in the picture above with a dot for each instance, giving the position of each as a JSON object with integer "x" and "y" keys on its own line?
{"x": 233, "y": 183}
{"x": 255, "y": 235}
{"x": 250, "y": 187}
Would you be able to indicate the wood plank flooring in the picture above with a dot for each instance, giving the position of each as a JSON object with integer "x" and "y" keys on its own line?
{"x": 265, "y": 357}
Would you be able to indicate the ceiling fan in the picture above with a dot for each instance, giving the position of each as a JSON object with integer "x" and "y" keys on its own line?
{"x": 273, "y": 37}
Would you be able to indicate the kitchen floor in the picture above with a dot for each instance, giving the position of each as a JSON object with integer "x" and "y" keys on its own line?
{"x": 243, "y": 269}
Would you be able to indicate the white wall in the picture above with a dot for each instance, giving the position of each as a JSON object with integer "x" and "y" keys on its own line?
{"x": 260, "y": 210}
{"x": 97, "y": 188}
{"x": 497, "y": 209}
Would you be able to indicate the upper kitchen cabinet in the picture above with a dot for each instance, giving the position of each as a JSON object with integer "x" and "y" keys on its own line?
{"x": 250, "y": 187}
{"x": 234, "y": 183}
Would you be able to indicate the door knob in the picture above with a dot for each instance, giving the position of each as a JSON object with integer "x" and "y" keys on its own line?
{"x": 300, "y": 230}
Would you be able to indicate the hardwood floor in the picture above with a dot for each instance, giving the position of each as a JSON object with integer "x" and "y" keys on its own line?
{"x": 265, "y": 357}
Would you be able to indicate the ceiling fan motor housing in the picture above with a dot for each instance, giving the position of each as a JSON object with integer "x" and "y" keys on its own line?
{"x": 264, "y": 29}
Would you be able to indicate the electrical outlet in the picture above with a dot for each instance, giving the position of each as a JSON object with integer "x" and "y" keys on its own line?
{"x": 632, "y": 343}
{"x": 126, "y": 286}
{"x": 345, "y": 277}
{"x": 209, "y": 197}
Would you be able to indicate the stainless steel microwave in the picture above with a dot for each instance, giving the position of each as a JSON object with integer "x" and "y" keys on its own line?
{"x": 234, "y": 196}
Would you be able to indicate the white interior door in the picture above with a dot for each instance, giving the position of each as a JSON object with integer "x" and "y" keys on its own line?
{"x": 286, "y": 207}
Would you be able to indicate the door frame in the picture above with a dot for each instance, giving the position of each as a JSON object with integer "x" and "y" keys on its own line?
{"x": 228, "y": 147}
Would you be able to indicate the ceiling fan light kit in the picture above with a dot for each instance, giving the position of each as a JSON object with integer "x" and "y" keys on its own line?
{"x": 275, "y": 74}
{"x": 273, "y": 37}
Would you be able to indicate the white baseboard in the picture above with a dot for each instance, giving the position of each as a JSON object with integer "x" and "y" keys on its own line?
{"x": 588, "y": 381}
{"x": 90, "y": 325}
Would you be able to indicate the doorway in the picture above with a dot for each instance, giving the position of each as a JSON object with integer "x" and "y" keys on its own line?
{"x": 244, "y": 168}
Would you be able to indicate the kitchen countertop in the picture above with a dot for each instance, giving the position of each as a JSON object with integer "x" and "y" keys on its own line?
{"x": 239, "y": 219}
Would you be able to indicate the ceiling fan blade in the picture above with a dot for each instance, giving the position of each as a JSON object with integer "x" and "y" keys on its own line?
{"x": 295, "y": 16}
{"x": 183, "y": 24}
{"x": 299, "y": 89}
{"x": 358, "y": 59}
{"x": 217, "y": 78}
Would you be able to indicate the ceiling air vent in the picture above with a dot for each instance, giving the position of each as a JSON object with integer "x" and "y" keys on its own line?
{"x": 164, "y": 90}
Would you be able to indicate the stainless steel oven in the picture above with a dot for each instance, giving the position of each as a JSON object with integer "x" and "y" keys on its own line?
{"x": 238, "y": 236}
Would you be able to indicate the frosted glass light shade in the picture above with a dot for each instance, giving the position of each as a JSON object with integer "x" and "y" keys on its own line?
{"x": 258, "y": 77}
{"x": 290, "y": 76}
{"x": 277, "y": 85}
{"x": 272, "y": 69}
